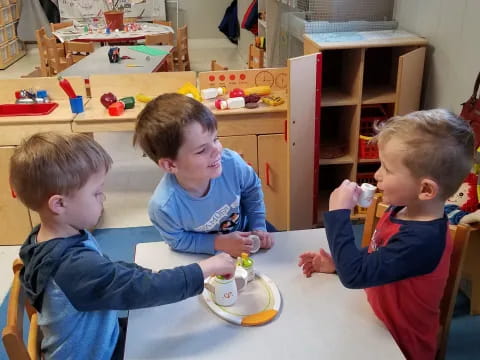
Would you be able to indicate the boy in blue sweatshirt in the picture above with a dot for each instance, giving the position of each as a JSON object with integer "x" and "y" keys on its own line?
{"x": 75, "y": 288}
{"x": 210, "y": 199}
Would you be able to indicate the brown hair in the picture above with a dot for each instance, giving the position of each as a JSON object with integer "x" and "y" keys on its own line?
{"x": 50, "y": 163}
{"x": 159, "y": 128}
{"x": 439, "y": 144}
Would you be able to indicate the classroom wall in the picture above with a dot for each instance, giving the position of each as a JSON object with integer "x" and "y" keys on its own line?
{"x": 202, "y": 17}
{"x": 453, "y": 58}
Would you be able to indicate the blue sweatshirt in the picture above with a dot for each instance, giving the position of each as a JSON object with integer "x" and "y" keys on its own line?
{"x": 77, "y": 290}
{"x": 234, "y": 202}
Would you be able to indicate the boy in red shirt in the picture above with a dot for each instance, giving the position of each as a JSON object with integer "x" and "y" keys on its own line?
{"x": 424, "y": 156}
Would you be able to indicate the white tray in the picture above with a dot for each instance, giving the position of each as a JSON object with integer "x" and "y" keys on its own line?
{"x": 258, "y": 303}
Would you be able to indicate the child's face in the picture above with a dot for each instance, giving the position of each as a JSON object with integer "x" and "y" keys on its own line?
{"x": 399, "y": 186}
{"x": 199, "y": 157}
{"x": 84, "y": 206}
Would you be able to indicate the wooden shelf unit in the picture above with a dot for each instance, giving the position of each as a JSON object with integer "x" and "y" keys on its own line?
{"x": 11, "y": 48}
{"x": 387, "y": 72}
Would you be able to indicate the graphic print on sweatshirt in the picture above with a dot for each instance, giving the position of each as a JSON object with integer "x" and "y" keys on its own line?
{"x": 227, "y": 216}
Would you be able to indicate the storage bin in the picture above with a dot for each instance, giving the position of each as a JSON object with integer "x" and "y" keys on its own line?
{"x": 4, "y": 55}
{"x": 10, "y": 31}
{"x": 371, "y": 116}
{"x": 5, "y": 16}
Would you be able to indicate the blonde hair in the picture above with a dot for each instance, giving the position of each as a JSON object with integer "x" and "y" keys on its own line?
{"x": 49, "y": 163}
{"x": 159, "y": 128}
{"x": 440, "y": 146}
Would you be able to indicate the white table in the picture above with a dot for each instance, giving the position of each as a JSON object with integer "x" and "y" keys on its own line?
{"x": 319, "y": 318}
{"x": 98, "y": 63}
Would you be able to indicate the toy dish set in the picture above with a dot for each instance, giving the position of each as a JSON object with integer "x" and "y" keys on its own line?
{"x": 249, "y": 298}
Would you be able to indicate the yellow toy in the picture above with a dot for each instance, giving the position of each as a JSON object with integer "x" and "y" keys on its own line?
{"x": 189, "y": 90}
{"x": 259, "y": 90}
{"x": 273, "y": 100}
{"x": 144, "y": 98}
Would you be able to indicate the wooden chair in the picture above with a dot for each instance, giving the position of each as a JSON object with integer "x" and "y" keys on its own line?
{"x": 129, "y": 20}
{"x": 55, "y": 62}
{"x": 160, "y": 39}
{"x": 255, "y": 57}
{"x": 60, "y": 25}
{"x": 214, "y": 66}
{"x": 162, "y": 22}
{"x": 12, "y": 335}
{"x": 460, "y": 235}
{"x": 78, "y": 50}
{"x": 181, "y": 58}
{"x": 42, "y": 51}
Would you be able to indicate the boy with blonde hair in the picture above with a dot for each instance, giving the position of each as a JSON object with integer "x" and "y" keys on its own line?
{"x": 210, "y": 199}
{"x": 424, "y": 156}
{"x": 74, "y": 287}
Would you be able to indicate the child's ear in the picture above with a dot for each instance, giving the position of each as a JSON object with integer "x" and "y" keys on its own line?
{"x": 168, "y": 165}
{"x": 428, "y": 189}
{"x": 56, "y": 204}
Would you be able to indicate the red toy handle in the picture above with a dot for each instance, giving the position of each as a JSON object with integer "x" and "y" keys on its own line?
{"x": 267, "y": 173}
{"x": 67, "y": 87}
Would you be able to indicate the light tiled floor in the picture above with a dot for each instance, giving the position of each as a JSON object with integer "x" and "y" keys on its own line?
{"x": 132, "y": 178}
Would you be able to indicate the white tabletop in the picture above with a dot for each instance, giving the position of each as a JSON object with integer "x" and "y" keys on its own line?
{"x": 98, "y": 63}
{"x": 319, "y": 318}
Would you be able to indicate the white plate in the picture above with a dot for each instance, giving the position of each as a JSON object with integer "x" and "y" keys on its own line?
{"x": 258, "y": 303}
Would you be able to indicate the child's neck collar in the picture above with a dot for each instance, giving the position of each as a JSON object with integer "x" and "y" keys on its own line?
{"x": 422, "y": 211}
{"x": 194, "y": 188}
{"x": 53, "y": 231}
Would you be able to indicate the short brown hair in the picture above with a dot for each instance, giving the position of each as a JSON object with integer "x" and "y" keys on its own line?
{"x": 440, "y": 146}
{"x": 159, "y": 128}
{"x": 50, "y": 163}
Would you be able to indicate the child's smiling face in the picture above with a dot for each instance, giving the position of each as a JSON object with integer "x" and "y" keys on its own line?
{"x": 199, "y": 157}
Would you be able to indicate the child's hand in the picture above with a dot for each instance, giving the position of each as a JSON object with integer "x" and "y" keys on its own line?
{"x": 345, "y": 196}
{"x": 220, "y": 264}
{"x": 234, "y": 243}
{"x": 266, "y": 239}
{"x": 316, "y": 262}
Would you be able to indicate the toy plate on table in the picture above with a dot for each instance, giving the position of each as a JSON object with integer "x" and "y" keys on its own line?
{"x": 258, "y": 303}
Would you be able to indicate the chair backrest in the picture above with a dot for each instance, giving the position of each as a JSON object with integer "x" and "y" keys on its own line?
{"x": 12, "y": 335}
{"x": 42, "y": 51}
{"x": 255, "y": 57}
{"x": 78, "y": 50}
{"x": 214, "y": 66}
{"x": 55, "y": 62}
{"x": 160, "y": 39}
{"x": 129, "y": 20}
{"x": 162, "y": 22}
{"x": 60, "y": 25}
{"x": 460, "y": 235}
{"x": 181, "y": 50}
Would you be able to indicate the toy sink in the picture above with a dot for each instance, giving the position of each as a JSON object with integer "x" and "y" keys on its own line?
{"x": 27, "y": 109}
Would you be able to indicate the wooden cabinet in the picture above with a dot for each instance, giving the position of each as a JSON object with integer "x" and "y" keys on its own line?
{"x": 15, "y": 216}
{"x": 359, "y": 72}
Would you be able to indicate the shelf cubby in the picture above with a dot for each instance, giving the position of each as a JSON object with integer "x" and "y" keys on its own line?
{"x": 341, "y": 78}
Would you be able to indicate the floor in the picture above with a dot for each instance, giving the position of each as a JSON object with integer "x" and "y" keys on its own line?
{"x": 132, "y": 178}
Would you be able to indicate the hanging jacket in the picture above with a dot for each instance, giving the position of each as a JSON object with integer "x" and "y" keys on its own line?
{"x": 250, "y": 19}
{"x": 229, "y": 24}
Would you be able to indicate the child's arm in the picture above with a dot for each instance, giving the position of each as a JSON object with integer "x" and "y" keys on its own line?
{"x": 410, "y": 252}
{"x": 312, "y": 262}
{"x": 92, "y": 282}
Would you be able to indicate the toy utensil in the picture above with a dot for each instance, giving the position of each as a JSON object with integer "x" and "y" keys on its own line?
{"x": 67, "y": 87}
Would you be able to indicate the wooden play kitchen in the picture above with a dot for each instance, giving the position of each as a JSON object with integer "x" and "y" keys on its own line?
{"x": 263, "y": 136}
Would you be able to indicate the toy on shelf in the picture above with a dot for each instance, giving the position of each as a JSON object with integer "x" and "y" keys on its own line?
{"x": 116, "y": 109}
{"x": 108, "y": 99}
{"x": 258, "y": 90}
{"x": 272, "y": 100}
{"x": 189, "y": 90}
{"x": 144, "y": 98}
{"x": 231, "y": 103}
{"x": 462, "y": 207}
{"x": 237, "y": 92}
{"x": 212, "y": 93}
{"x": 67, "y": 87}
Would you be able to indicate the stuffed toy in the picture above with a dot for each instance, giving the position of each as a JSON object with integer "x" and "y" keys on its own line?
{"x": 462, "y": 207}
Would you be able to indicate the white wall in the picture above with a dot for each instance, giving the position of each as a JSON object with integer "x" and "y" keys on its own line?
{"x": 202, "y": 17}
{"x": 452, "y": 29}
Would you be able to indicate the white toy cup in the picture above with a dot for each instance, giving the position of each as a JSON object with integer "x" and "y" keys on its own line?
{"x": 366, "y": 197}
{"x": 226, "y": 290}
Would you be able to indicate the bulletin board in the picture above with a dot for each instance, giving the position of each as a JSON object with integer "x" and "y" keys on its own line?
{"x": 81, "y": 9}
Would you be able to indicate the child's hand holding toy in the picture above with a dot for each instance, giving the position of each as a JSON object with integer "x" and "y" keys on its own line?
{"x": 345, "y": 196}
{"x": 266, "y": 239}
{"x": 234, "y": 243}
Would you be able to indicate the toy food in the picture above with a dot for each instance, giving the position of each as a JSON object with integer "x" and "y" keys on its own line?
{"x": 259, "y": 90}
{"x": 144, "y": 98}
{"x": 273, "y": 100}
{"x": 237, "y": 92}
{"x": 232, "y": 103}
{"x": 252, "y": 98}
{"x": 108, "y": 99}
